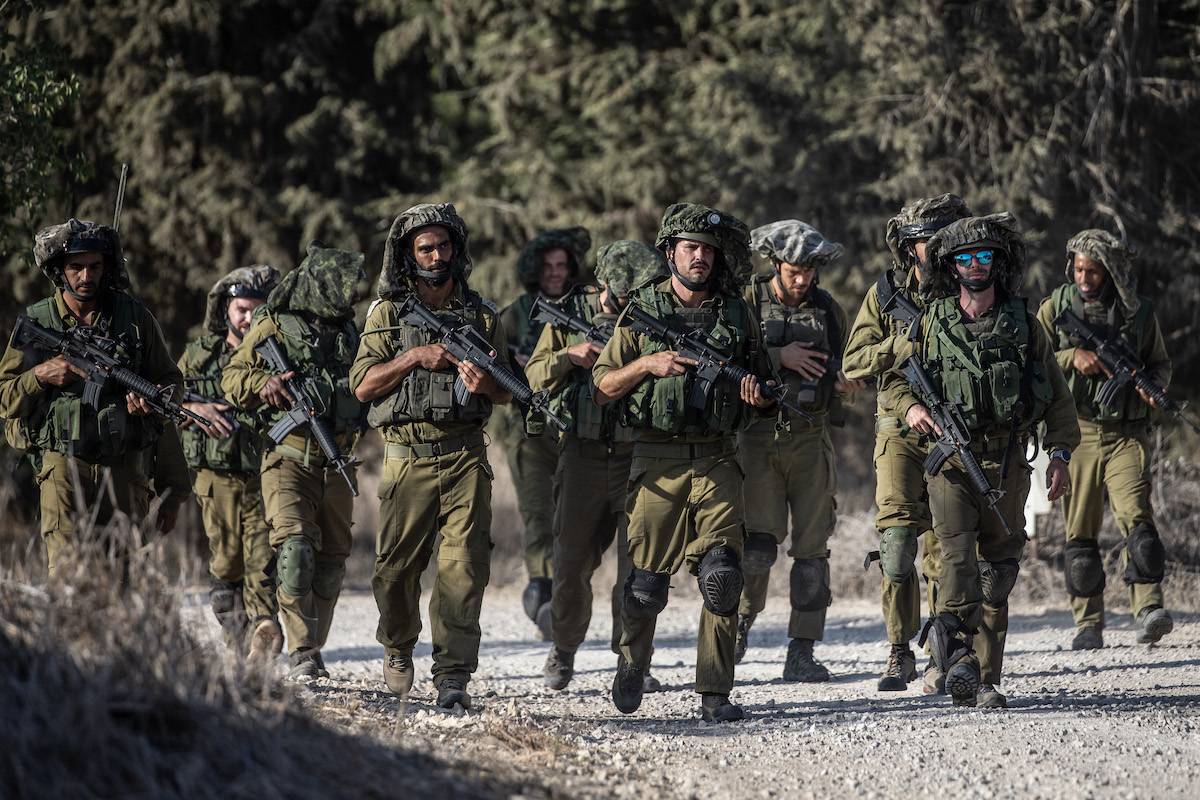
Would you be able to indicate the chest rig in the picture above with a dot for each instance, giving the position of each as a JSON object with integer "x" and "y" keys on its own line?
{"x": 986, "y": 368}
{"x": 322, "y": 352}
{"x": 425, "y": 395}
{"x": 661, "y": 403}
{"x": 576, "y": 403}
{"x": 242, "y": 450}
{"x": 812, "y": 324}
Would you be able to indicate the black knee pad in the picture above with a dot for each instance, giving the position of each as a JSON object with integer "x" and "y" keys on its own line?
{"x": 1146, "y": 557}
{"x": 536, "y": 594}
{"x": 997, "y": 578}
{"x": 1083, "y": 568}
{"x": 223, "y": 596}
{"x": 810, "y": 584}
{"x": 645, "y": 593}
{"x": 759, "y": 554}
{"x": 721, "y": 581}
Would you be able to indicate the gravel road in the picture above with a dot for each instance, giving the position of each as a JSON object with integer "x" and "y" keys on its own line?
{"x": 1121, "y": 722}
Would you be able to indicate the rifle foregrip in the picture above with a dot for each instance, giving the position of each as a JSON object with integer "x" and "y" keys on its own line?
{"x": 975, "y": 473}
{"x": 511, "y": 384}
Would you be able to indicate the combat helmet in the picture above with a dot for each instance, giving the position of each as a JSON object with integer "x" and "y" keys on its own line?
{"x": 399, "y": 265}
{"x": 255, "y": 282}
{"x": 52, "y": 244}
{"x": 1117, "y": 258}
{"x": 576, "y": 241}
{"x": 326, "y": 284}
{"x": 728, "y": 234}
{"x": 790, "y": 241}
{"x": 919, "y": 220}
{"x": 624, "y": 264}
{"x": 997, "y": 231}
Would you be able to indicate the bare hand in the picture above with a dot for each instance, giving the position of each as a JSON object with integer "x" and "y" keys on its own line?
{"x": 215, "y": 424}
{"x": 1058, "y": 480}
{"x": 583, "y": 354}
{"x": 808, "y": 361}
{"x": 752, "y": 394}
{"x": 849, "y": 386}
{"x": 1146, "y": 398}
{"x": 166, "y": 521}
{"x": 919, "y": 419}
{"x": 431, "y": 356}
{"x": 136, "y": 404}
{"x": 58, "y": 371}
{"x": 273, "y": 392}
{"x": 1086, "y": 362}
{"x": 477, "y": 380}
{"x": 666, "y": 364}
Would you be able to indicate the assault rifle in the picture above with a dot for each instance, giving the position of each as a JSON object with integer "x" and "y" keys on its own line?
{"x": 465, "y": 343}
{"x": 1124, "y": 366}
{"x": 307, "y": 408}
{"x": 96, "y": 354}
{"x": 546, "y": 313}
{"x": 954, "y": 437}
{"x": 190, "y": 395}
{"x": 896, "y": 303}
{"x": 713, "y": 363}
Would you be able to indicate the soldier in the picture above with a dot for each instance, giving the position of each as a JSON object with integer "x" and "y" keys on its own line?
{"x": 791, "y": 460}
{"x": 899, "y": 457}
{"x": 1114, "y": 455}
{"x": 593, "y": 467}
{"x": 75, "y": 449}
{"x": 308, "y": 505}
{"x": 227, "y": 483}
{"x": 436, "y": 477}
{"x": 685, "y": 486}
{"x": 985, "y": 354}
{"x": 547, "y": 267}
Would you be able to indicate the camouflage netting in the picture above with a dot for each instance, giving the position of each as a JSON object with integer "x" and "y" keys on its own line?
{"x": 1117, "y": 258}
{"x": 260, "y": 278}
{"x": 398, "y": 262}
{"x": 921, "y": 219}
{"x": 624, "y": 264}
{"x": 325, "y": 284}
{"x": 80, "y": 236}
{"x": 576, "y": 241}
{"x": 732, "y": 236}
{"x": 999, "y": 231}
{"x": 794, "y": 242}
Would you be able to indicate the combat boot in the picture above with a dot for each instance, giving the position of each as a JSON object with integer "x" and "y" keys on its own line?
{"x": 536, "y": 602}
{"x": 901, "y": 668}
{"x": 650, "y": 684}
{"x": 990, "y": 697}
{"x": 628, "y": 685}
{"x": 933, "y": 681}
{"x": 800, "y": 666}
{"x": 717, "y": 708}
{"x": 398, "y": 672}
{"x": 962, "y": 681}
{"x": 266, "y": 642}
{"x": 559, "y": 669}
{"x": 1088, "y": 637}
{"x": 1153, "y": 624}
{"x": 743, "y": 637}
{"x": 306, "y": 664}
{"x": 453, "y": 692}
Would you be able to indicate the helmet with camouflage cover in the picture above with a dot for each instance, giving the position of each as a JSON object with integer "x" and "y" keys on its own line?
{"x": 790, "y": 241}
{"x": 919, "y": 220}
{"x": 1117, "y": 258}
{"x": 728, "y": 234}
{"x": 255, "y": 282}
{"x": 52, "y": 245}
{"x": 624, "y": 264}
{"x": 576, "y": 241}
{"x": 1000, "y": 232}
{"x": 400, "y": 266}
{"x": 326, "y": 284}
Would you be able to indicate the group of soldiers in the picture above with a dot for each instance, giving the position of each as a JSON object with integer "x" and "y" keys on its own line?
{"x": 680, "y": 406}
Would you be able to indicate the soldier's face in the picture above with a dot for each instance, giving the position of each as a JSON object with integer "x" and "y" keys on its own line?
{"x": 1090, "y": 275}
{"x": 82, "y": 272}
{"x": 556, "y": 269}
{"x": 433, "y": 249}
{"x": 694, "y": 259}
{"x": 241, "y": 312}
{"x": 796, "y": 279}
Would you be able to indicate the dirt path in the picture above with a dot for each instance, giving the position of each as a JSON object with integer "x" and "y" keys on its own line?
{"x": 1123, "y": 722}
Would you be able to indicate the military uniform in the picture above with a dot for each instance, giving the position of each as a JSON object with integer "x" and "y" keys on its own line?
{"x": 899, "y": 454}
{"x": 75, "y": 448}
{"x": 308, "y": 505}
{"x": 1115, "y": 453}
{"x": 1000, "y": 371}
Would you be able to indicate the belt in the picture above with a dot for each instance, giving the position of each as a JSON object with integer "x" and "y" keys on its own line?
{"x": 441, "y": 447}
{"x": 683, "y": 452}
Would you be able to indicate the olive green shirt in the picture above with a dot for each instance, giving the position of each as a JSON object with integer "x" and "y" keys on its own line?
{"x": 876, "y": 346}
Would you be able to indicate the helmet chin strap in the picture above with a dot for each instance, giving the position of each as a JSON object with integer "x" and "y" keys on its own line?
{"x": 234, "y": 330}
{"x": 978, "y": 285}
{"x": 689, "y": 284}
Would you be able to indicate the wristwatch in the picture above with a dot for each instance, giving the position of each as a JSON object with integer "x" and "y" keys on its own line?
{"x": 1062, "y": 454}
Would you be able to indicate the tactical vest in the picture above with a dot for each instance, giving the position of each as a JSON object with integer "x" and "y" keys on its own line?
{"x": 63, "y": 424}
{"x": 524, "y": 335}
{"x": 814, "y": 324}
{"x": 425, "y": 395}
{"x": 989, "y": 374}
{"x": 242, "y": 450}
{"x": 661, "y": 403}
{"x": 1127, "y": 406}
{"x": 322, "y": 353}
{"x": 575, "y": 403}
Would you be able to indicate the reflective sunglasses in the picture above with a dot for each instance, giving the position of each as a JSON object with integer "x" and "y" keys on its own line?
{"x": 984, "y": 257}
